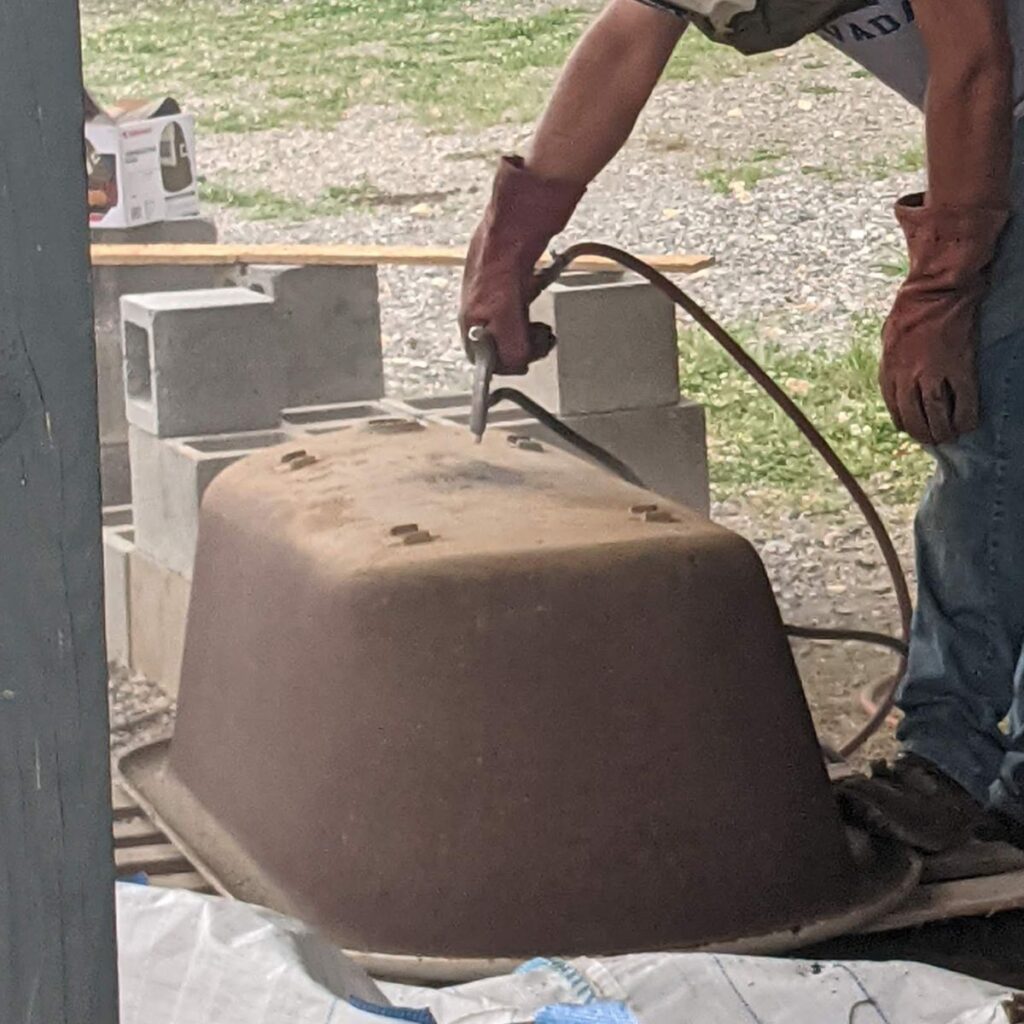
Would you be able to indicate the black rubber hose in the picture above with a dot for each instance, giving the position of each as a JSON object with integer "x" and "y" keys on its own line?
{"x": 811, "y": 433}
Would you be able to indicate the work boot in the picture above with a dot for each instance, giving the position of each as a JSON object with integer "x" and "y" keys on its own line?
{"x": 913, "y": 802}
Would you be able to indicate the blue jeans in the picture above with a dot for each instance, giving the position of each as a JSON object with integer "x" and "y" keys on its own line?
{"x": 963, "y": 694}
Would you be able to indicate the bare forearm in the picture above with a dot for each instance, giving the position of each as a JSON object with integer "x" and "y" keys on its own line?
{"x": 604, "y": 86}
{"x": 969, "y": 107}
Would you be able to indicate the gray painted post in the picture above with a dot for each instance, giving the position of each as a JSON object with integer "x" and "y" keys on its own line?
{"x": 57, "y": 956}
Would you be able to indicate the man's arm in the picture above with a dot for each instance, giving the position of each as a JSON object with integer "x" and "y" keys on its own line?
{"x": 928, "y": 374}
{"x": 607, "y": 81}
{"x": 969, "y": 103}
{"x": 599, "y": 96}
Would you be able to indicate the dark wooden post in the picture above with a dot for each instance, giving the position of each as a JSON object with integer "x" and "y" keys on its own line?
{"x": 57, "y": 958}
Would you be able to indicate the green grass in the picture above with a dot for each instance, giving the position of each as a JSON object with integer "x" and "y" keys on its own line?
{"x": 756, "y": 453}
{"x": 262, "y": 204}
{"x": 909, "y": 161}
{"x": 252, "y": 64}
{"x": 698, "y": 58}
{"x": 758, "y": 166}
{"x": 819, "y": 90}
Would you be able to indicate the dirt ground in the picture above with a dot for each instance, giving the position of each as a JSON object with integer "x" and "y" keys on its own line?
{"x": 827, "y": 572}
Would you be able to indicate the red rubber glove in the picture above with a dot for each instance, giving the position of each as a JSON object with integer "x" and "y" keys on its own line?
{"x": 927, "y": 374}
{"x": 524, "y": 214}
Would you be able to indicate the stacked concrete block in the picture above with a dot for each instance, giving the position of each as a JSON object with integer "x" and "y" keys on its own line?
{"x": 118, "y": 543}
{"x": 617, "y": 347}
{"x": 110, "y": 284}
{"x": 203, "y": 386}
{"x": 325, "y": 419}
{"x": 159, "y": 612}
{"x": 613, "y": 378}
{"x": 328, "y": 320}
{"x": 170, "y": 477}
{"x": 201, "y": 362}
{"x": 665, "y": 446}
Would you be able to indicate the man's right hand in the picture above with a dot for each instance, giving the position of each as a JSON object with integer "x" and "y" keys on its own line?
{"x": 524, "y": 214}
{"x": 605, "y": 84}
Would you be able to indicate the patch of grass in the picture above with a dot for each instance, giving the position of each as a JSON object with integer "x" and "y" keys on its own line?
{"x": 254, "y": 204}
{"x": 908, "y": 161}
{"x": 756, "y": 168}
{"x": 245, "y": 65}
{"x": 754, "y": 449}
{"x": 819, "y": 90}
{"x": 697, "y": 57}
{"x": 249, "y": 64}
{"x": 262, "y": 204}
{"x": 897, "y": 267}
{"x": 829, "y": 173}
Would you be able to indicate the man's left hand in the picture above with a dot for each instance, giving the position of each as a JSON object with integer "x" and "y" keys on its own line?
{"x": 927, "y": 374}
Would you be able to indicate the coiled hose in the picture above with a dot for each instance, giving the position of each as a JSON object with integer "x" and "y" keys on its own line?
{"x": 811, "y": 433}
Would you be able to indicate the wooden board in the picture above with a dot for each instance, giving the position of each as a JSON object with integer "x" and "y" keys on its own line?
{"x": 338, "y": 255}
{"x": 138, "y": 831}
{"x": 944, "y": 901}
{"x": 190, "y": 880}
{"x": 158, "y": 859}
{"x": 57, "y": 951}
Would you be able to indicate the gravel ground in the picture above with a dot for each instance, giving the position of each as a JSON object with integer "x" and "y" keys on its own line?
{"x": 798, "y": 254}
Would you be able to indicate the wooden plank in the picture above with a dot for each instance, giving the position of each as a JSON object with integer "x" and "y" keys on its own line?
{"x": 57, "y": 953}
{"x": 943, "y": 901}
{"x": 338, "y": 255}
{"x": 191, "y": 880}
{"x": 157, "y": 859}
{"x": 137, "y": 832}
{"x": 123, "y": 805}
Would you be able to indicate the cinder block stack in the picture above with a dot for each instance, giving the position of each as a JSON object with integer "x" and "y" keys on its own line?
{"x": 614, "y": 378}
{"x": 328, "y": 319}
{"x": 207, "y": 374}
{"x": 212, "y": 374}
{"x": 109, "y": 284}
{"x": 203, "y": 381}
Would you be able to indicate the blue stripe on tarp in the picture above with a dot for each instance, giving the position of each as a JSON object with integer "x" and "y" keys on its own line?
{"x": 590, "y": 1013}
{"x": 423, "y": 1016}
{"x": 580, "y": 986}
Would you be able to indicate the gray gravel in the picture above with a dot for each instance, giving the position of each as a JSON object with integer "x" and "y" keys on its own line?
{"x": 798, "y": 255}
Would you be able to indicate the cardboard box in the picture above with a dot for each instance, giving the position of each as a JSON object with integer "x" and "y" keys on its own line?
{"x": 141, "y": 164}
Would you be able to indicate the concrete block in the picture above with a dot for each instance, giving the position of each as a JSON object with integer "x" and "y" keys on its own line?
{"x": 110, "y": 284}
{"x": 117, "y": 548}
{"x": 115, "y": 473}
{"x": 617, "y": 347}
{"x": 665, "y": 446}
{"x": 169, "y": 477}
{"x": 329, "y": 324}
{"x": 325, "y": 419}
{"x": 117, "y": 515}
{"x": 201, "y": 362}
{"x": 159, "y": 610}
{"x": 194, "y": 231}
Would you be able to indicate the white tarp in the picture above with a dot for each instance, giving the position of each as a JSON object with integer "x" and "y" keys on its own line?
{"x": 190, "y": 959}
